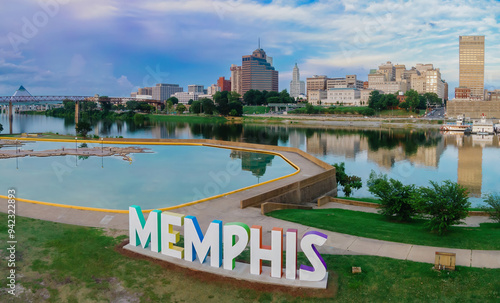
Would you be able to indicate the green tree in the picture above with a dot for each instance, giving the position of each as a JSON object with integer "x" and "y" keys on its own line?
{"x": 273, "y": 100}
{"x": 284, "y": 97}
{"x": 445, "y": 204}
{"x": 174, "y": 100}
{"x": 432, "y": 98}
{"x": 391, "y": 100}
{"x": 234, "y": 96}
{"x": 1, "y": 128}
{"x": 83, "y": 128}
{"x": 396, "y": 198}
{"x": 222, "y": 101}
{"x": 106, "y": 106}
{"x": 190, "y": 101}
{"x": 309, "y": 108}
{"x": 88, "y": 106}
{"x": 493, "y": 208}
{"x": 208, "y": 106}
{"x": 412, "y": 98}
{"x": 347, "y": 182}
{"x": 374, "y": 99}
{"x": 404, "y": 105}
{"x": 145, "y": 107}
{"x": 195, "y": 107}
{"x": 69, "y": 106}
{"x": 169, "y": 106}
{"x": 253, "y": 97}
{"x": 132, "y": 105}
{"x": 180, "y": 108}
{"x": 422, "y": 102}
{"x": 236, "y": 109}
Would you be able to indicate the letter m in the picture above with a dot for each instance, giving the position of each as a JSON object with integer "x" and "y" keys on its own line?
{"x": 197, "y": 244}
{"x": 142, "y": 232}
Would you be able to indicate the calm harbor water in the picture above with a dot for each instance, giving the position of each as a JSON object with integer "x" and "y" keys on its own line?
{"x": 412, "y": 156}
{"x": 169, "y": 176}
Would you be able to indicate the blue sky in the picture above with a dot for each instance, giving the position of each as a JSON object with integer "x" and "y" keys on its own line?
{"x": 111, "y": 47}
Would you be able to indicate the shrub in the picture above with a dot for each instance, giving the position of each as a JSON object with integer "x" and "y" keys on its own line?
{"x": 347, "y": 182}
{"x": 445, "y": 204}
{"x": 83, "y": 128}
{"x": 396, "y": 198}
{"x": 493, "y": 208}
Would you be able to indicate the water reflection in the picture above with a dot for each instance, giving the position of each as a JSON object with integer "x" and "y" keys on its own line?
{"x": 253, "y": 162}
{"x": 412, "y": 156}
{"x": 470, "y": 159}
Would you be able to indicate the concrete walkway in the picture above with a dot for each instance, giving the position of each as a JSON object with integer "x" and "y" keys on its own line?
{"x": 228, "y": 209}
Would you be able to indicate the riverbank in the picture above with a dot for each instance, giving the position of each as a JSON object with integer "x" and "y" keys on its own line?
{"x": 324, "y": 121}
{"x": 335, "y": 121}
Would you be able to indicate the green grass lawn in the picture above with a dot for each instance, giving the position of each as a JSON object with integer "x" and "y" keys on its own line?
{"x": 66, "y": 263}
{"x": 250, "y": 110}
{"x": 375, "y": 200}
{"x": 187, "y": 118}
{"x": 375, "y": 226}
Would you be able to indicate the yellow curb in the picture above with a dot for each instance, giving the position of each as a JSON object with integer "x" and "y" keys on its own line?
{"x": 158, "y": 143}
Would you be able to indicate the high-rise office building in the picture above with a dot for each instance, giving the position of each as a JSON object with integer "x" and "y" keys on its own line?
{"x": 164, "y": 91}
{"x": 471, "y": 56}
{"x": 225, "y": 85}
{"x": 236, "y": 78}
{"x": 297, "y": 87}
{"x": 257, "y": 73}
{"x": 194, "y": 88}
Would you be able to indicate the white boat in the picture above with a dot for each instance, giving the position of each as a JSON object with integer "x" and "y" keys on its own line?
{"x": 483, "y": 126}
{"x": 457, "y": 126}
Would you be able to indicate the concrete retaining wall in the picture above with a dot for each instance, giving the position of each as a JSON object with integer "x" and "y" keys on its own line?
{"x": 300, "y": 192}
{"x": 268, "y": 207}
{"x": 356, "y": 203}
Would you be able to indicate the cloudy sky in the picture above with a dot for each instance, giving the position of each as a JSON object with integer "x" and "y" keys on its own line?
{"x": 111, "y": 47}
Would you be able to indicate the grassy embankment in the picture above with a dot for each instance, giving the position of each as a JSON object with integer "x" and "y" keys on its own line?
{"x": 187, "y": 118}
{"x": 376, "y": 226}
{"x": 250, "y": 110}
{"x": 65, "y": 263}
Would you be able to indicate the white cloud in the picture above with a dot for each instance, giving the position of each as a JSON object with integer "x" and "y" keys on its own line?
{"x": 123, "y": 82}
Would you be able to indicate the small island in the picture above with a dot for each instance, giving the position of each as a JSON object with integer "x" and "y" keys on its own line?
{"x": 98, "y": 151}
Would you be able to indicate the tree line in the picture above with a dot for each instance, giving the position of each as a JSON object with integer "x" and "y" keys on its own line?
{"x": 256, "y": 97}
{"x": 413, "y": 100}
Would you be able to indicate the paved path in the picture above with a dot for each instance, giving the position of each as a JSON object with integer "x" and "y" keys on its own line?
{"x": 227, "y": 209}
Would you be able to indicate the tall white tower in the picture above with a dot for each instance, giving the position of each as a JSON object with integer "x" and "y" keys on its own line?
{"x": 297, "y": 87}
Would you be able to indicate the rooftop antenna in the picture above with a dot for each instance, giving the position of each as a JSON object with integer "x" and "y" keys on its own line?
{"x": 259, "y": 42}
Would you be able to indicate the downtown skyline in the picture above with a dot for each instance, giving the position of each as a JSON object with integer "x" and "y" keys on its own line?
{"x": 112, "y": 48}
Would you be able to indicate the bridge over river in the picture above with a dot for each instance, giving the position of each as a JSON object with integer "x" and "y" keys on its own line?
{"x": 22, "y": 96}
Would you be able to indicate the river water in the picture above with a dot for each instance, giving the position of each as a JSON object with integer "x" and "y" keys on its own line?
{"x": 409, "y": 155}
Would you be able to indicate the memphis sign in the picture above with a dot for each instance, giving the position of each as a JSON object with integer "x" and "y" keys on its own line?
{"x": 225, "y": 242}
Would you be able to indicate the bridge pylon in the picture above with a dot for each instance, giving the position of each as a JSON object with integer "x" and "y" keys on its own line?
{"x": 77, "y": 114}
